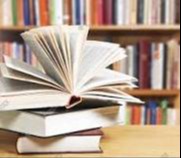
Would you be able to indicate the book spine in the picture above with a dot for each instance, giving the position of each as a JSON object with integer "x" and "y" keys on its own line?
{"x": 100, "y": 11}
{"x": 164, "y": 106}
{"x": 144, "y": 65}
{"x": 120, "y": 14}
{"x": 88, "y": 12}
{"x": 67, "y": 12}
{"x": 37, "y": 12}
{"x": 44, "y": 17}
{"x": 26, "y": 11}
{"x": 32, "y": 12}
{"x": 177, "y": 12}
{"x": 20, "y": 20}
{"x": 108, "y": 11}
{"x": 171, "y": 116}
{"x": 163, "y": 11}
{"x": 136, "y": 115}
{"x": 7, "y": 18}
{"x": 140, "y": 17}
{"x": 153, "y": 111}
{"x": 14, "y": 12}
{"x": 133, "y": 15}
{"x": 82, "y": 12}
{"x": 159, "y": 116}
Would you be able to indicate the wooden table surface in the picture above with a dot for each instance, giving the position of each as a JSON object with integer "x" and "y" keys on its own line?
{"x": 127, "y": 141}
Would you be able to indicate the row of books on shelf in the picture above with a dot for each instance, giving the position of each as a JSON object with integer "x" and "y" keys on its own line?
{"x": 90, "y": 12}
{"x": 156, "y": 65}
{"x": 152, "y": 113}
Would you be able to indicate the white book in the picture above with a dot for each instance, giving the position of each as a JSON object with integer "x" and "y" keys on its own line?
{"x": 120, "y": 12}
{"x": 171, "y": 116}
{"x": 59, "y": 121}
{"x": 127, "y": 9}
{"x": 7, "y": 18}
{"x": 157, "y": 66}
{"x": 58, "y": 12}
{"x": 131, "y": 60}
{"x": 83, "y": 142}
{"x": 75, "y": 70}
{"x": 37, "y": 12}
{"x": 143, "y": 111}
{"x": 82, "y": 12}
{"x": 167, "y": 11}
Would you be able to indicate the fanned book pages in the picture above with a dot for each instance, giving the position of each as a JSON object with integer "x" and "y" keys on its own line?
{"x": 75, "y": 70}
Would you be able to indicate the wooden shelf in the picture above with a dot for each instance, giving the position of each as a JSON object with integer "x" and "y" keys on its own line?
{"x": 111, "y": 28}
{"x": 153, "y": 93}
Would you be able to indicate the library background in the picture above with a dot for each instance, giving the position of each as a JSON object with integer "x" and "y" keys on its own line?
{"x": 149, "y": 30}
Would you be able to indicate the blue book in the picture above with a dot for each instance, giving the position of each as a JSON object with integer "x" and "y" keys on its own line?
{"x": 78, "y": 12}
{"x": 153, "y": 112}
{"x": 28, "y": 55}
{"x": 26, "y": 12}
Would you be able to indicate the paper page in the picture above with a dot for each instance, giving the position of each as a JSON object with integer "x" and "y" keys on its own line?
{"x": 107, "y": 77}
{"x": 15, "y": 75}
{"x": 29, "y": 70}
{"x": 77, "y": 39}
{"x": 100, "y": 55}
{"x": 45, "y": 61}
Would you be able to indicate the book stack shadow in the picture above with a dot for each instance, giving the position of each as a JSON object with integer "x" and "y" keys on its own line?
{"x": 63, "y": 107}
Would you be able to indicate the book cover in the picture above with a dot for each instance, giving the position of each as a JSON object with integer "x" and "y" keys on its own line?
{"x": 159, "y": 116}
{"x": 67, "y": 12}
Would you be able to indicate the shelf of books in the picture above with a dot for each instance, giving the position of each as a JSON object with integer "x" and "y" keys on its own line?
{"x": 149, "y": 31}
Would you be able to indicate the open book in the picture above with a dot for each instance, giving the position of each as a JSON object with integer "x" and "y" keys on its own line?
{"x": 75, "y": 70}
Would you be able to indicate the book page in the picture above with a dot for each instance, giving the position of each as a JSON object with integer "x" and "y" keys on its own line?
{"x": 77, "y": 39}
{"x": 29, "y": 70}
{"x": 15, "y": 75}
{"x": 108, "y": 77}
{"x": 45, "y": 61}
{"x": 100, "y": 55}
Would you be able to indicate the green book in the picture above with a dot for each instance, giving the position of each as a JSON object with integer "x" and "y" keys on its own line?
{"x": 14, "y": 12}
{"x": 52, "y": 10}
{"x": 164, "y": 105}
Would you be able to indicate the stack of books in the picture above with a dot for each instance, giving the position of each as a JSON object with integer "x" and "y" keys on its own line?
{"x": 63, "y": 107}
{"x": 156, "y": 65}
{"x": 152, "y": 113}
{"x": 89, "y": 12}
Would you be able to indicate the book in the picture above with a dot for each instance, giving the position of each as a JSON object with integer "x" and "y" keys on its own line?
{"x": 67, "y": 72}
{"x": 44, "y": 16}
{"x": 157, "y": 65}
{"x": 164, "y": 106}
{"x": 83, "y": 142}
{"x": 153, "y": 112}
{"x": 26, "y": 12}
{"x": 144, "y": 66}
{"x": 171, "y": 116}
{"x": 58, "y": 121}
{"x": 136, "y": 115}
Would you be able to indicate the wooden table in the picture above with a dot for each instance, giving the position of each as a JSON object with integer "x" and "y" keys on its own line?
{"x": 159, "y": 141}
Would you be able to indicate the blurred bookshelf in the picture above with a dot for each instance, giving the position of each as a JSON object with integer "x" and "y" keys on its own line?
{"x": 160, "y": 29}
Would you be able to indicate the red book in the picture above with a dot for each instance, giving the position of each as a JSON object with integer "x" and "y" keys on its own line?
{"x": 44, "y": 18}
{"x": 136, "y": 115}
{"x": 159, "y": 116}
{"x": 108, "y": 12}
{"x": 144, "y": 65}
{"x": 100, "y": 4}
